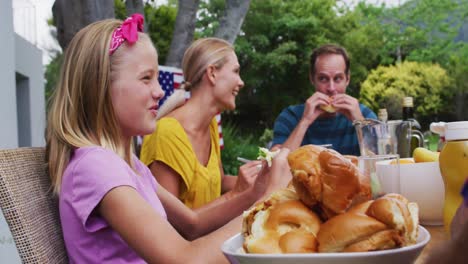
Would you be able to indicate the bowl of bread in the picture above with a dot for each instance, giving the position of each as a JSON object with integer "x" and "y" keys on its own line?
{"x": 326, "y": 215}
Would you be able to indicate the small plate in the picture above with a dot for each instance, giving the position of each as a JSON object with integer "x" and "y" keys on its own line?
{"x": 232, "y": 249}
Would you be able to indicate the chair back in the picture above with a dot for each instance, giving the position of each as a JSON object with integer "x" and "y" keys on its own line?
{"x": 29, "y": 206}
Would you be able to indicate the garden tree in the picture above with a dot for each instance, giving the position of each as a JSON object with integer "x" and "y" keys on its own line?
{"x": 458, "y": 67}
{"x": 227, "y": 28}
{"x": 233, "y": 18}
{"x": 419, "y": 30}
{"x": 184, "y": 29}
{"x": 428, "y": 84}
{"x": 71, "y": 16}
{"x": 278, "y": 37}
{"x": 159, "y": 21}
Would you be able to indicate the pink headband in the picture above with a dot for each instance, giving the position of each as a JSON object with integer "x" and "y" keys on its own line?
{"x": 127, "y": 31}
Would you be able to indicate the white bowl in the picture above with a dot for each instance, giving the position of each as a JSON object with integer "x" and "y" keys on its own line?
{"x": 422, "y": 183}
{"x": 232, "y": 249}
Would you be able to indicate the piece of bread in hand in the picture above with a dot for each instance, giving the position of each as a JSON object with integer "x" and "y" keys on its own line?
{"x": 328, "y": 108}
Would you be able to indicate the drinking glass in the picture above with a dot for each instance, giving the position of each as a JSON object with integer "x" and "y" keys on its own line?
{"x": 383, "y": 173}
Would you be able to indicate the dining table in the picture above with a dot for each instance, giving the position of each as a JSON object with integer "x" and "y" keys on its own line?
{"x": 438, "y": 237}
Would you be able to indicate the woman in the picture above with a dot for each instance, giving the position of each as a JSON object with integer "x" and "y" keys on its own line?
{"x": 183, "y": 153}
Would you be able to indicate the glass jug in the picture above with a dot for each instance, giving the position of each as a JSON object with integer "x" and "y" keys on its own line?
{"x": 382, "y": 138}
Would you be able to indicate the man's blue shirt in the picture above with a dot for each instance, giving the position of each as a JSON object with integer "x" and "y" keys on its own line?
{"x": 338, "y": 131}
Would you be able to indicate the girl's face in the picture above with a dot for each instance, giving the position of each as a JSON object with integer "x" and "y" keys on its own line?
{"x": 135, "y": 89}
{"x": 228, "y": 83}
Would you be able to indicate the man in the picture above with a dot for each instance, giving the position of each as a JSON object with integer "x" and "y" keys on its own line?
{"x": 327, "y": 116}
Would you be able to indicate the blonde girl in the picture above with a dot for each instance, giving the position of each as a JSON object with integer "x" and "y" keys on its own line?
{"x": 112, "y": 209}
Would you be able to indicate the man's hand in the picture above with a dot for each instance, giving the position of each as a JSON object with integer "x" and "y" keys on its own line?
{"x": 348, "y": 106}
{"x": 312, "y": 109}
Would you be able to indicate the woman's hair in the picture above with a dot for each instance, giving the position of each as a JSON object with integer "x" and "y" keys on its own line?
{"x": 81, "y": 111}
{"x": 198, "y": 57}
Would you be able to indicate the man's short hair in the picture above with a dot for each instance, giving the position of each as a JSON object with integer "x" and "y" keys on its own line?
{"x": 328, "y": 49}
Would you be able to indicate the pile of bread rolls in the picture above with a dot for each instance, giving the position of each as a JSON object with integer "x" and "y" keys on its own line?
{"x": 328, "y": 209}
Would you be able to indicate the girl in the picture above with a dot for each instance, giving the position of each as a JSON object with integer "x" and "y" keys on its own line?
{"x": 111, "y": 208}
{"x": 183, "y": 153}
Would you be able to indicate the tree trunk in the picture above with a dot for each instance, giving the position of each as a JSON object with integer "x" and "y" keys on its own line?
{"x": 232, "y": 19}
{"x": 461, "y": 112}
{"x": 71, "y": 16}
{"x": 135, "y": 6}
{"x": 183, "y": 31}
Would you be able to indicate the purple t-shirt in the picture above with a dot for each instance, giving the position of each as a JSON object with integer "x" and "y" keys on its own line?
{"x": 91, "y": 173}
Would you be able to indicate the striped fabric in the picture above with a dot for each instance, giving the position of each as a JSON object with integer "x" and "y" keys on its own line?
{"x": 338, "y": 131}
{"x": 170, "y": 79}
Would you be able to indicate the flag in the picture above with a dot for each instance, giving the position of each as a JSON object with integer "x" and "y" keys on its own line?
{"x": 170, "y": 78}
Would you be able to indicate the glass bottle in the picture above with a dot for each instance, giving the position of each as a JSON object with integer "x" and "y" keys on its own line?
{"x": 408, "y": 112}
{"x": 408, "y": 115}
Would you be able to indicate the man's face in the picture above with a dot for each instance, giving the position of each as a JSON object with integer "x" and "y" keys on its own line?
{"x": 330, "y": 75}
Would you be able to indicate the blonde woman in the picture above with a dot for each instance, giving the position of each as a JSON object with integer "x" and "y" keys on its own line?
{"x": 183, "y": 153}
{"x": 112, "y": 210}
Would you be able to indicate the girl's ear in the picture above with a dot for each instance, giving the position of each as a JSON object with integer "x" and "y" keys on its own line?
{"x": 211, "y": 74}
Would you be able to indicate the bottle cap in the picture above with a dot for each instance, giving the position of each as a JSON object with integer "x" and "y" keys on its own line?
{"x": 408, "y": 101}
{"x": 456, "y": 130}
{"x": 438, "y": 128}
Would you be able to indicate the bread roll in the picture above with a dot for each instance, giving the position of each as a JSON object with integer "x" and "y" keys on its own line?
{"x": 344, "y": 230}
{"x": 281, "y": 224}
{"x": 396, "y": 212}
{"x": 324, "y": 177}
{"x": 328, "y": 108}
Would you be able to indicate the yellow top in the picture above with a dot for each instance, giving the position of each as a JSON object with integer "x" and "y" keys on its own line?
{"x": 170, "y": 144}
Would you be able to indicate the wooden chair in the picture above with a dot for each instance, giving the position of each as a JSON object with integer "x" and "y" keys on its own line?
{"x": 29, "y": 207}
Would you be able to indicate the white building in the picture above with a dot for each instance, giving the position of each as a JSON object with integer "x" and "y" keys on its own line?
{"x": 22, "y": 103}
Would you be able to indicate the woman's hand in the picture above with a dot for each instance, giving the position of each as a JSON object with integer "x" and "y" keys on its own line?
{"x": 277, "y": 176}
{"x": 247, "y": 175}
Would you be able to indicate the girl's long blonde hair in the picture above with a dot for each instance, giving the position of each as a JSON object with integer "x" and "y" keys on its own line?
{"x": 201, "y": 54}
{"x": 81, "y": 111}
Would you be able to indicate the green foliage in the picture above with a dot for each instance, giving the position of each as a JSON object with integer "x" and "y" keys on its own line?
{"x": 428, "y": 84}
{"x": 266, "y": 137}
{"x": 119, "y": 9}
{"x": 160, "y": 23}
{"x": 236, "y": 145}
{"x": 273, "y": 50}
{"x": 52, "y": 73}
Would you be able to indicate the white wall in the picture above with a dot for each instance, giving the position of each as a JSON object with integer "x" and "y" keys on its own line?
{"x": 28, "y": 63}
{"x": 9, "y": 130}
{"x": 22, "y": 104}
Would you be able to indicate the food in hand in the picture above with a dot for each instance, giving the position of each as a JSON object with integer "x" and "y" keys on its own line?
{"x": 328, "y": 108}
{"x": 388, "y": 222}
{"x": 324, "y": 178}
{"x": 425, "y": 155}
{"x": 281, "y": 224}
{"x": 266, "y": 154}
